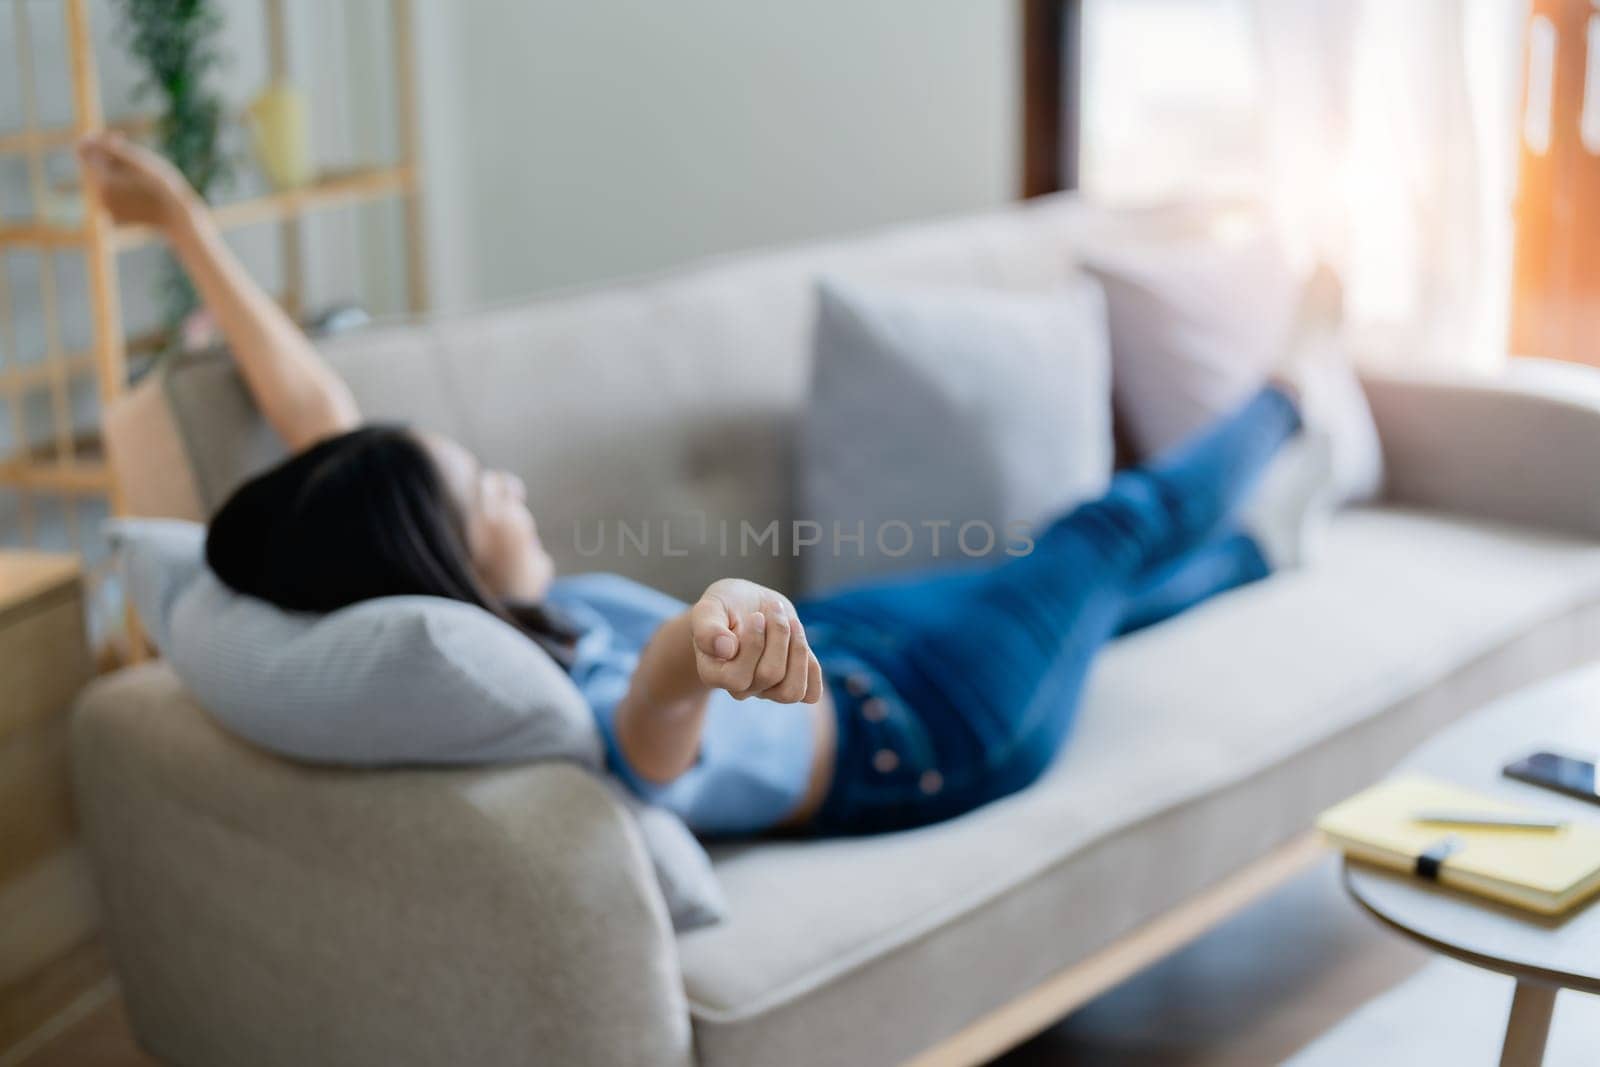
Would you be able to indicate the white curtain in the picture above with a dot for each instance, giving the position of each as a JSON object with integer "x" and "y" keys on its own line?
{"x": 1390, "y": 145}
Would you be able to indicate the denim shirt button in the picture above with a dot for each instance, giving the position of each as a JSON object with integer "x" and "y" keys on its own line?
{"x": 930, "y": 782}
{"x": 857, "y": 684}
{"x": 884, "y": 760}
{"x": 874, "y": 709}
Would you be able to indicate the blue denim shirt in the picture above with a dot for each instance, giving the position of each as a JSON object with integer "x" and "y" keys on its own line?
{"x": 755, "y": 755}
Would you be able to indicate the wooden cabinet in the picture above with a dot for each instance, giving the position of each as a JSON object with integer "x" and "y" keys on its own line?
{"x": 50, "y": 957}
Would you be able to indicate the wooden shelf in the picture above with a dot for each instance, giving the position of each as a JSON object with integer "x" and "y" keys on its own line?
{"x": 330, "y": 190}
{"x": 33, "y": 375}
{"x": 327, "y": 191}
{"x": 41, "y": 235}
{"x": 78, "y": 364}
{"x": 47, "y": 138}
{"x": 41, "y": 467}
{"x": 76, "y": 477}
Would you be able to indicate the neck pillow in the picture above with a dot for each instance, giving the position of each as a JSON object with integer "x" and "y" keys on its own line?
{"x": 393, "y": 681}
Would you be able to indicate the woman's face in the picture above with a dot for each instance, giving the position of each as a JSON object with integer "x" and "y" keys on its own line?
{"x": 502, "y": 537}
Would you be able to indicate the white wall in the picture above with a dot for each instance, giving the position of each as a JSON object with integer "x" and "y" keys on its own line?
{"x": 566, "y": 142}
{"x": 573, "y": 141}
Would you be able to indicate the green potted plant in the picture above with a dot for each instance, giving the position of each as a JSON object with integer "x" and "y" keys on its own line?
{"x": 177, "y": 41}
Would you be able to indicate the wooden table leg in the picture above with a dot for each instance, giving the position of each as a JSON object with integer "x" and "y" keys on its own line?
{"x": 1529, "y": 1025}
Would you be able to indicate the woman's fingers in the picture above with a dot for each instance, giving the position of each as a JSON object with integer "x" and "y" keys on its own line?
{"x": 792, "y": 688}
{"x": 103, "y": 155}
{"x": 754, "y": 646}
{"x": 123, "y": 163}
{"x": 800, "y": 682}
{"x": 737, "y": 676}
{"x": 708, "y": 622}
{"x": 96, "y": 164}
{"x": 91, "y": 154}
{"x": 114, "y": 149}
{"x": 774, "y": 662}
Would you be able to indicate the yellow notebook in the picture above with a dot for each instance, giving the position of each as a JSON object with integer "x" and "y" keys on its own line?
{"x": 1547, "y": 871}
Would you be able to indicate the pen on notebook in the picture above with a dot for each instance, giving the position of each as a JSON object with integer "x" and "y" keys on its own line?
{"x": 1498, "y": 820}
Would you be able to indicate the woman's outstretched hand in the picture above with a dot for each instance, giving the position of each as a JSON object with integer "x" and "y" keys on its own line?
{"x": 748, "y": 640}
{"x": 135, "y": 184}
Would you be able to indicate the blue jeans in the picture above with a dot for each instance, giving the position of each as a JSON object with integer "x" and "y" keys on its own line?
{"x": 956, "y": 688}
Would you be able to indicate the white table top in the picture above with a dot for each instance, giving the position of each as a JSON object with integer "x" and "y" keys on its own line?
{"x": 1563, "y": 715}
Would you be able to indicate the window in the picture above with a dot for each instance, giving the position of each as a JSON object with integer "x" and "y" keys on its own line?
{"x": 1170, "y": 100}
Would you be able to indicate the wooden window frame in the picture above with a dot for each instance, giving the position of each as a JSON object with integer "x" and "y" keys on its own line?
{"x": 1052, "y": 82}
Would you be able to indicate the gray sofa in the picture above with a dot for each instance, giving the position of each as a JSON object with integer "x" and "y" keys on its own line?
{"x": 266, "y": 913}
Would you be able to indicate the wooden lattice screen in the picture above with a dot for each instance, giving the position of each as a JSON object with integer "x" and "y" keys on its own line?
{"x": 64, "y": 466}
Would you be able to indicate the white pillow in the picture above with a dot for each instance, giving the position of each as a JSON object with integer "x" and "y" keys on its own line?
{"x": 396, "y": 680}
{"x": 976, "y": 409}
{"x": 1197, "y": 319}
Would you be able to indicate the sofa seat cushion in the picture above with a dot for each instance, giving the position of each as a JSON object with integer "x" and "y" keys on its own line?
{"x": 1203, "y": 744}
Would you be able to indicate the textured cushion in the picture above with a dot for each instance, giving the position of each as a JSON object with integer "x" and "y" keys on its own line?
{"x": 148, "y": 456}
{"x": 264, "y": 912}
{"x": 160, "y": 558}
{"x": 1202, "y": 744}
{"x": 1520, "y": 448}
{"x": 1189, "y": 343}
{"x": 983, "y": 411}
{"x": 224, "y": 438}
{"x": 1197, "y": 320}
{"x": 397, "y": 680}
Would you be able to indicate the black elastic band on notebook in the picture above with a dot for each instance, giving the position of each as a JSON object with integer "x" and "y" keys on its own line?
{"x": 1433, "y": 857}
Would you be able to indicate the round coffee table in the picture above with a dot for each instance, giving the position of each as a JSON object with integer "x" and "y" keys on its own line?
{"x": 1543, "y": 955}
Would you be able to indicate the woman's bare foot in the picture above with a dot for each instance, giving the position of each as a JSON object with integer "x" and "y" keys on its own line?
{"x": 1316, "y": 325}
{"x": 1298, "y": 496}
{"x": 1322, "y": 300}
{"x": 1315, "y": 369}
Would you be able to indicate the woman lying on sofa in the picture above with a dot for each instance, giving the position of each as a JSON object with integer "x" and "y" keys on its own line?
{"x": 889, "y": 705}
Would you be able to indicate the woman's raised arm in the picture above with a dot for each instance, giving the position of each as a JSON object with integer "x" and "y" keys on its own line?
{"x": 298, "y": 393}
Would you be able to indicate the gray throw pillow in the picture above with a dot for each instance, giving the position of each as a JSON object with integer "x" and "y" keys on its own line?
{"x": 1198, "y": 319}
{"x": 944, "y": 423}
{"x": 397, "y": 680}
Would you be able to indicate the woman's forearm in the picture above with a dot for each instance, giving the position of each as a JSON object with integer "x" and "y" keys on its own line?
{"x": 658, "y": 723}
{"x": 298, "y": 393}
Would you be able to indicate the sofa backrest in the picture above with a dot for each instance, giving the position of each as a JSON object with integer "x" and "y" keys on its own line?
{"x": 649, "y": 419}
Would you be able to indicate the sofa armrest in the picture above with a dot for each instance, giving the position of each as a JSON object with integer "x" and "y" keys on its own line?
{"x": 261, "y": 912}
{"x": 1523, "y": 447}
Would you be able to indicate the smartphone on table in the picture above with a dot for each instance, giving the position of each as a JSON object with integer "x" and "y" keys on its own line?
{"x": 1565, "y": 774}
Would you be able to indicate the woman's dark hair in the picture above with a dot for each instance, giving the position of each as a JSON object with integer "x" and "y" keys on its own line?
{"x": 364, "y": 514}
